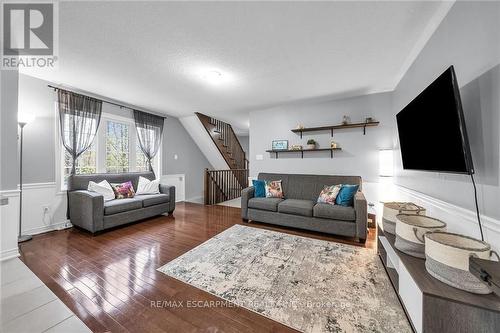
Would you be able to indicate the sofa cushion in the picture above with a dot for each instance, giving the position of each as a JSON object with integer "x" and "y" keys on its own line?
{"x": 121, "y": 205}
{"x": 153, "y": 199}
{"x": 270, "y": 204}
{"x": 296, "y": 207}
{"x": 334, "y": 212}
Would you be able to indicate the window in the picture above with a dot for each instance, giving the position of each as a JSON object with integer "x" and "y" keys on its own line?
{"x": 86, "y": 163}
{"x": 115, "y": 149}
{"x": 141, "y": 162}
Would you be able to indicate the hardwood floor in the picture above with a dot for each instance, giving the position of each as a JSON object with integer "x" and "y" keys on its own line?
{"x": 110, "y": 280}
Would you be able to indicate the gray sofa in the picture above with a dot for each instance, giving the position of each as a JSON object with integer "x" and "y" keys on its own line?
{"x": 89, "y": 211}
{"x": 300, "y": 210}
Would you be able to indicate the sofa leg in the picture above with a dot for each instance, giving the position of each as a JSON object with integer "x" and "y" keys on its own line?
{"x": 170, "y": 212}
{"x": 362, "y": 240}
{"x": 244, "y": 220}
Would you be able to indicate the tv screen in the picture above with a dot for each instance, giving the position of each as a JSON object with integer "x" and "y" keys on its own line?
{"x": 432, "y": 133}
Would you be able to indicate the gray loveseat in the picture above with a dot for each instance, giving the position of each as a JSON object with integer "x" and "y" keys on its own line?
{"x": 300, "y": 210}
{"x": 89, "y": 211}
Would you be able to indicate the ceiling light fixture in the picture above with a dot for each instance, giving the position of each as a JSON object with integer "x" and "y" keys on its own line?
{"x": 213, "y": 76}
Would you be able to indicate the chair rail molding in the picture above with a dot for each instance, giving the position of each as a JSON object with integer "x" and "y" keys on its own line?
{"x": 459, "y": 219}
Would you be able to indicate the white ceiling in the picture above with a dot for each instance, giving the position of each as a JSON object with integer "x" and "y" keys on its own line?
{"x": 153, "y": 54}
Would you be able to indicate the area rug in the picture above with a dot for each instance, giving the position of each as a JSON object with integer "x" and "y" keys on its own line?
{"x": 307, "y": 284}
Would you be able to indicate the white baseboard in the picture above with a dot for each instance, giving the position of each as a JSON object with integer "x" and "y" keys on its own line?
{"x": 46, "y": 228}
{"x": 9, "y": 254}
{"x": 198, "y": 199}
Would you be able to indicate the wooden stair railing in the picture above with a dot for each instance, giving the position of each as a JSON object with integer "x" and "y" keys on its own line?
{"x": 223, "y": 185}
{"x": 225, "y": 139}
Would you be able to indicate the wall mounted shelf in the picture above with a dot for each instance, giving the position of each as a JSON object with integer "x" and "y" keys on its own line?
{"x": 301, "y": 151}
{"x": 335, "y": 127}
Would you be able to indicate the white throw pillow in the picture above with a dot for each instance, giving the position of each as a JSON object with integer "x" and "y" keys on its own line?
{"x": 147, "y": 186}
{"x": 103, "y": 188}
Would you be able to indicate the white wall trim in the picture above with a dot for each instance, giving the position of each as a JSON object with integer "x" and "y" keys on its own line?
{"x": 197, "y": 199}
{"x": 9, "y": 254}
{"x": 463, "y": 213}
{"x": 48, "y": 228}
{"x": 30, "y": 186}
{"x": 10, "y": 193}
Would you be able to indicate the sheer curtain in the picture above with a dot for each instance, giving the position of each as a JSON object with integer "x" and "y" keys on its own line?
{"x": 149, "y": 133}
{"x": 79, "y": 117}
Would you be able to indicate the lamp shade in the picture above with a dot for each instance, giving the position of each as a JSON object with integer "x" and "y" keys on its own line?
{"x": 385, "y": 163}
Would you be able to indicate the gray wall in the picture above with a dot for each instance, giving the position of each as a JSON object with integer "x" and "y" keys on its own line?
{"x": 190, "y": 160}
{"x": 8, "y": 130}
{"x": 40, "y": 140}
{"x": 469, "y": 39}
{"x": 359, "y": 155}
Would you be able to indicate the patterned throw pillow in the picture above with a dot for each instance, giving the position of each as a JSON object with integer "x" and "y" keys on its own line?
{"x": 329, "y": 194}
{"x": 274, "y": 189}
{"x": 124, "y": 190}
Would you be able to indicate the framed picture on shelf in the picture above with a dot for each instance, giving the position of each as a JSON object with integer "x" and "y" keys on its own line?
{"x": 280, "y": 145}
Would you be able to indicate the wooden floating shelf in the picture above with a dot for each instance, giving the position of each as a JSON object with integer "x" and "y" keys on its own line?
{"x": 277, "y": 151}
{"x": 336, "y": 127}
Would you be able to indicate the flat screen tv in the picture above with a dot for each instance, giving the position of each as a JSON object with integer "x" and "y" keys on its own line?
{"x": 432, "y": 133}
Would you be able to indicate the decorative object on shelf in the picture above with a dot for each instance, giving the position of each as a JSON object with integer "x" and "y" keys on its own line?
{"x": 447, "y": 259}
{"x": 334, "y": 144}
{"x": 311, "y": 144}
{"x": 362, "y": 125}
{"x": 296, "y": 147}
{"x": 299, "y": 126}
{"x": 391, "y": 209}
{"x": 280, "y": 145}
{"x": 346, "y": 120}
{"x": 410, "y": 231}
{"x": 369, "y": 120}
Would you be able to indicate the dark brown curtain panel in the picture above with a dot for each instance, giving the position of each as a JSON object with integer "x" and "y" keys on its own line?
{"x": 79, "y": 117}
{"x": 149, "y": 133}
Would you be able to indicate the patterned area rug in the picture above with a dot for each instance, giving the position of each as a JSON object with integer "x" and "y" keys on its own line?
{"x": 307, "y": 284}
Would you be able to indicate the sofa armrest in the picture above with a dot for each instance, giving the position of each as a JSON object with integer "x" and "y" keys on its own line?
{"x": 246, "y": 194}
{"x": 361, "y": 208}
{"x": 170, "y": 190}
{"x": 86, "y": 210}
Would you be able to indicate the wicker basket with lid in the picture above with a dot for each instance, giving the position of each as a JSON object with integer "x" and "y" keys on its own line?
{"x": 391, "y": 209}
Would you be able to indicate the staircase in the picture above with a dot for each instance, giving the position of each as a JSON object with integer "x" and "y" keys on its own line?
{"x": 222, "y": 185}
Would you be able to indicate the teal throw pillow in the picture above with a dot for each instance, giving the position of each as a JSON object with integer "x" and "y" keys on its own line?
{"x": 346, "y": 195}
{"x": 260, "y": 188}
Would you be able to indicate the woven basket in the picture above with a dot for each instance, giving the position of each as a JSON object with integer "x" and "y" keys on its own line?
{"x": 391, "y": 209}
{"x": 410, "y": 231}
{"x": 447, "y": 259}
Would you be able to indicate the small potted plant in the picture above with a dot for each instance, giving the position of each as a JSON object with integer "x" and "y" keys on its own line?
{"x": 311, "y": 144}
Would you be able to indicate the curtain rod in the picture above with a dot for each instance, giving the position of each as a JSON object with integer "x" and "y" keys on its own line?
{"x": 102, "y": 100}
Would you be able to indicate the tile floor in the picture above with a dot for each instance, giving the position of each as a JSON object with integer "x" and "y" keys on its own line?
{"x": 27, "y": 305}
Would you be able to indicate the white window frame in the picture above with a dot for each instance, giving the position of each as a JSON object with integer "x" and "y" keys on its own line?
{"x": 100, "y": 143}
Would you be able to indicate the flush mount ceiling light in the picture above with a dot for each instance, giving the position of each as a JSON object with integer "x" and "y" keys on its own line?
{"x": 213, "y": 76}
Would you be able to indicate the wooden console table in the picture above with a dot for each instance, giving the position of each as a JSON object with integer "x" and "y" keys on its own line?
{"x": 432, "y": 306}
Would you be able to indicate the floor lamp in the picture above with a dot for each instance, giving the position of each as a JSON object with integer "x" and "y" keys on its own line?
{"x": 22, "y": 121}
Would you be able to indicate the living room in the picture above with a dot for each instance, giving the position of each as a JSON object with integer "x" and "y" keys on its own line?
{"x": 250, "y": 166}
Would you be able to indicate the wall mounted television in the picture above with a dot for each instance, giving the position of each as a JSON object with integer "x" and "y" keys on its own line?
{"x": 432, "y": 131}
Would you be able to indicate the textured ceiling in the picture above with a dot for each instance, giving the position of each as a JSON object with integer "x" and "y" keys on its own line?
{"x": 153, "y": 54}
